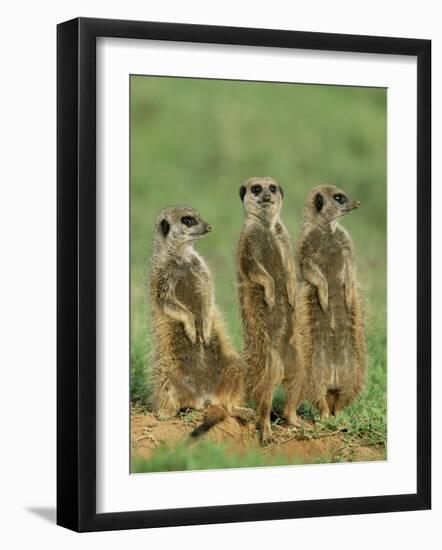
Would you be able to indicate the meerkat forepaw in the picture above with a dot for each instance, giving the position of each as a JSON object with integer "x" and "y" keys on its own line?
{"x": 291, "y": 300}
{"x": 291, "y": 293}
{"x": 323, "y": 300}
{"x": 270, "y": 301}
{"x": 191, "y": 332}
{"x": 207, "y": 332}
{"x": 348, "y": 299}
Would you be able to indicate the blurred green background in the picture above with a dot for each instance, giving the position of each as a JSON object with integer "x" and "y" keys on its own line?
{"x": 195, "y": 141}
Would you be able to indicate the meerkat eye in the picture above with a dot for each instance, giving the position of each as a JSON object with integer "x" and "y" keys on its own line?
{"x": 273, "y": 188}
{"x": 339, "y": 197}
{"x": 256, "y": 189}
{"x": 189, "y": 221}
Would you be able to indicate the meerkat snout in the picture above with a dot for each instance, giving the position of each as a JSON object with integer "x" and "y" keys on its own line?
{"x": 266, "y": 197}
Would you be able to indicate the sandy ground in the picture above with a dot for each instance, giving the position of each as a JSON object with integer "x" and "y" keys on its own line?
{"x": 147, "y": 433}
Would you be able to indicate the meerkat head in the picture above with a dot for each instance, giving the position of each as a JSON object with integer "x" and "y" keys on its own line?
{"x": 179, "y": 226}
{"x": 326, "y": 203}
{"x": 262, "y": 197}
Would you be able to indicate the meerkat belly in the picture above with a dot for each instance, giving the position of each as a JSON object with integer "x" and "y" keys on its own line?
{"x": 203, "y": 363}
{"x": 204, "y": 367}
{"x": 190, "y": 293}
{"x": 333, "y": 329}
{"x": 276, "y": 320}
{"x": 273, "y": 264}
{"x": 189, "y": 356}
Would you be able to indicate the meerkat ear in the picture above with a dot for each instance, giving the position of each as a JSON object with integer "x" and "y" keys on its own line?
{"x": 165, "y": 227}
{"x": 319, "y": 202}
{"x": 281, "y": 190}
{"x": 242, "y": 192}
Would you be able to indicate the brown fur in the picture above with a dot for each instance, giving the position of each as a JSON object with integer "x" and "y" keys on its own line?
{"x": 266, "y": 288}
{"x": 329, "y": 332}
{"x": 195, "y": 365}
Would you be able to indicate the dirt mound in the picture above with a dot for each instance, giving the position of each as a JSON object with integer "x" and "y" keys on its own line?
{"x": 148, "y": 433}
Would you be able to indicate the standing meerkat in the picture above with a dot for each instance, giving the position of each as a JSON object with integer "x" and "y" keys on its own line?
{"x": 194, "y": 363}
{"x": 266, "y": 288}
{"x": 330, "y": 334}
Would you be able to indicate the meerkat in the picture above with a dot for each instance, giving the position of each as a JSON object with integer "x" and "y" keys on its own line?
{"x": 267, "y": 289}
{"x": 195, "y": 365}
{"x": 330, "y": 333}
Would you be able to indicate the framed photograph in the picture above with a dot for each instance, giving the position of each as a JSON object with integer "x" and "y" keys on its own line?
{"x": 244, "y": 258}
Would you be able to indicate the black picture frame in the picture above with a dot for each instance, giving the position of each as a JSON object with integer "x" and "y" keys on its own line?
{"x": 76, "y": 273}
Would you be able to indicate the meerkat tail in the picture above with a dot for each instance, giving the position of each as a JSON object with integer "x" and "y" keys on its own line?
{"x": 214, "y": 415}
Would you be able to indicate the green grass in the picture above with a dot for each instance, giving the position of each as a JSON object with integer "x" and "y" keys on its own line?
{"x": 200, "y": 455}
{"x": 196, "y": 141}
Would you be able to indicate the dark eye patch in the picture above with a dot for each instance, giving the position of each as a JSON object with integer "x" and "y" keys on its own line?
{"x": 256, "y": 189}
{"x": 242, "y": 191}
{"x": 319, "y": 201}
{"x": 189, "y": 221}
{"x": 165, "y": 227}
{"x": 273, "y": 188}
{"x": 339, "y": 197}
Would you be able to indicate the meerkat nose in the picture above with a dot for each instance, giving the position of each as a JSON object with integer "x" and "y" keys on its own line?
{"x": 208, "y": 227}
{"x": 357, "y": 204}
